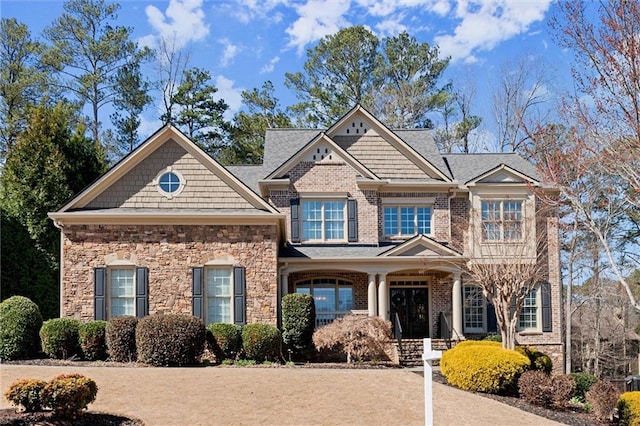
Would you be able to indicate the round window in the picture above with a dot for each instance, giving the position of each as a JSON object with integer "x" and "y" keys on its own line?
{"x": 169, "y": 183}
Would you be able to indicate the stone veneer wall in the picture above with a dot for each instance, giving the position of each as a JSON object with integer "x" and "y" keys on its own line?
{"x": 170, "y": 251}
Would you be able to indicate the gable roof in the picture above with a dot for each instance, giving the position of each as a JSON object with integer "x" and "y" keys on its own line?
{"x": 163, "y": 137}
{"x": 421, "y": 245}
{"x": 468, "y": 167}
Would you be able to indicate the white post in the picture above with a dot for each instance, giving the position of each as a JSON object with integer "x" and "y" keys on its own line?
{"x": 427, "y": 358}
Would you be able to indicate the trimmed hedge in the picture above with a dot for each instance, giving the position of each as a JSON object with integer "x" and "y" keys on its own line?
{"x": 538, "y": 360}
{"x": 483, "y": 366}
{"x": 298, "y": 322}
{"x": 226, "y": 340}
{"x": 68, "y": 394}
{"x": 26, "y": 393}
{"x": 120, "y": 337}
{"x": 629, "y": 408}
{"x": 59, "y": 337}
{"x": 261, "y": 342}
{"x": 170, "y": 339}
{"x": 20, "y": 323}
{"x": 92, "y": 340}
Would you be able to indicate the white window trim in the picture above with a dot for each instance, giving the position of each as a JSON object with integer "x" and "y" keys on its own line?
{"x": 503, "y": 200}
{"x": 118, "y": 265}
{"x": 399, "y": 205}
{"x": 169, "y": 195}
{"x": 323, "y": 199}
{"x": 210, "y": 266}
{"x": 474, "y": 330}
{"x": 538, "y": 328}
{"x": 335, "y": 286}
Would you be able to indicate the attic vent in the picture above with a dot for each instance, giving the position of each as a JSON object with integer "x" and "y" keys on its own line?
{"x": 347, "y": 131}
{"x": 361, "y": 124}
{"x": 357, "y": 130}
{"x": 353, "y": 124}
{"x": 326, "y": 150}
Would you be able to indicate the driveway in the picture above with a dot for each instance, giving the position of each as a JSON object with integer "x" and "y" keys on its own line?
{"x": 277, "y": 396}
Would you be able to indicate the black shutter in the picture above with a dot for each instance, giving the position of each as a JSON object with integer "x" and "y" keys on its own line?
{"x": 239, "y": 296}
{"x": 545, "y": 288}
{"x": 352, "y": 220}
{"x": 295, "y": 220}
{"x": 197, "y": 296}
{"x": 492, "y": 321}
{"x": 99, "y": 293}
{"x": 142, "y": 295}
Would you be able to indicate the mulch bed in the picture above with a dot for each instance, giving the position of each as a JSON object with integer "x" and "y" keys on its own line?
{"x": 9, "y": 416}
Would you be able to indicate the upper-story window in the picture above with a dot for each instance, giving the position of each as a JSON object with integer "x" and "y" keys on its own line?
{"x": 323, "y": 220}
{"x": 407, "y": 220}
{"x": 502, "y": 220}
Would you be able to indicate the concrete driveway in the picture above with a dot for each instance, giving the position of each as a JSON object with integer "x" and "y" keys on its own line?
{"x": 277, "y": 396}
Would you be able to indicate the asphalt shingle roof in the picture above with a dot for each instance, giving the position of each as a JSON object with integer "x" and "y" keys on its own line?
{"x": 466, "y": 167}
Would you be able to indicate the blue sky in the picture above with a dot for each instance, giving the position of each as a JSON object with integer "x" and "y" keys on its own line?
{"x": 244, "y": 43}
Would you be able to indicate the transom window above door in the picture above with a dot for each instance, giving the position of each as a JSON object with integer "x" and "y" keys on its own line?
{"x": 401, "y": 221}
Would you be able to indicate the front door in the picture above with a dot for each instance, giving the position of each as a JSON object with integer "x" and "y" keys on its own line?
{"x": 411, "y": 306}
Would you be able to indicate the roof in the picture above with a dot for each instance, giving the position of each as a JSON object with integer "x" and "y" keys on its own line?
{"x": 466, "y": 167}
{"x": 333, "y": 251}
{"x": 249, "y": 175}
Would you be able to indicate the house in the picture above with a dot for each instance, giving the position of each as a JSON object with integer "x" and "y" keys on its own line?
{"x": 365, "y": 218}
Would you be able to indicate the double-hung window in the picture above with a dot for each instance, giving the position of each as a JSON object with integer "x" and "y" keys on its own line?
{"x": 122, "y": 293}
{"x": 406, "y": 220}
{"x": 474, "y": 309}
{"x": 529, "y": 314}
{"x": 219, "y": 295}
{"x": 501, "y": 220}
{"x": 323, "y": 220}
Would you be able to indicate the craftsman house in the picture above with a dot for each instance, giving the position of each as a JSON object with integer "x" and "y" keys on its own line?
{"x": 364, "y": 218}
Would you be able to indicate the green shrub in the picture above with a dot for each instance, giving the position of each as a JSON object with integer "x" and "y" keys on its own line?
{"x": 261, "y": 342}
{"x": 493, "y": 337}
{"x": 170, "y": 339}
{"x": 120, "y": 336}
{"x": 26, "y": 393}
{"x": 226, "y": 340}
{"x": 20, "y": 323}
{"x": 298, "y": 322}
{"x": 629, "y": 409}
{"x": 59, "y": 337}
{"x": 538, "y": 360}
{"x": 483, "y": 367}
{"x": 488, "y": 343}
{"x": 92, "y": 340}
{"x": 68, "y": 394}
{"x": 602, "y": 397}
{"x": 584, "y": 381}
{"x": 535, "y": 387}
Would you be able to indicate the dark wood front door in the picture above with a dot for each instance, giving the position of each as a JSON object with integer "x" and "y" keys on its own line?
{"x": 411, "y": 306}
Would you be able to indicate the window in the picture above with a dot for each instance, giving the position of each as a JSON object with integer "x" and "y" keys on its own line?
{"x": 333, "y": 297}
{"x": 219, "y": 294}
{"x": 501, "y": 220}
{"x": 528, "y": 318}
{"x": 170, "y": 183}
{"x": 122, "y": 294}
{"x": 407, "y": 220}
{"x": 323, "y": 220}
{"x": 474, "y": 309}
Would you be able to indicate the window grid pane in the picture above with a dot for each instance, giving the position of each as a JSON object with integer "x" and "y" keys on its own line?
{"x": 512, "y": 212}
{"x": 424, "y": 220}
{"x": 312, "y": 220}
{"x": 334, "y": 220}
{"x": 407, "y": 218}
{"x": 390, "y": 221}
{"x": 529, "y": 313}
{"x": 122, "y": 293}
{"x": 473, "y": 307}
{"x": 218, "y": 295}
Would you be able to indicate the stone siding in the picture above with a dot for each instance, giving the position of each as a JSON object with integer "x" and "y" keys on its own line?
{"x": 170, "y": 251}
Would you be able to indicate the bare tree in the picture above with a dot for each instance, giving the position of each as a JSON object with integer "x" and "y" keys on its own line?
{"x": 508, "y": 269}
{"x": 172, "y": 60}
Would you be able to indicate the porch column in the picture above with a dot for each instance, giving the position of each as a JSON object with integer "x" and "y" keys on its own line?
{"x": 371, "y": 299}
{"x": 456, "y": 306}
{"x": 284, "y": 284}
{"x": 383, "y": 297}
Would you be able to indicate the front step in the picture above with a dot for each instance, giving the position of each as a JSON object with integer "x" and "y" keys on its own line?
{"x": 412, "y": 350}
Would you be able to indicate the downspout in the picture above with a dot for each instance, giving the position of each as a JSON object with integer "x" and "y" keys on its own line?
{"x": 60, "y": 226}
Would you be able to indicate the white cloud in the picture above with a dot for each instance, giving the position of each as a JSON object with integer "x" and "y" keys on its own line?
{"x": 317, "y": 18}
{"x": 230, "y": 51}
{"x": 385, "y": 8}
{"x": 485, "y": 24}
{"x": 248, "y": 10}
{"x": 391, "y": 27}
{"x": 270, "y": 66}
{"x": 182, "y": 21}
{"x": 231, "y": 95}
{"x": 148, "y": 126}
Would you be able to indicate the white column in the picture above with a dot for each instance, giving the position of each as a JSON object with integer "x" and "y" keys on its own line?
{"x": 371, "y": 300}
{"x": 284, "y": 284}
{"x": 383, "y": 297}
{"x": 456, "y": 306}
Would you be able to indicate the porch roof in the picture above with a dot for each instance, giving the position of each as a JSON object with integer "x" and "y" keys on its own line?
{"x": 333, "y": 251}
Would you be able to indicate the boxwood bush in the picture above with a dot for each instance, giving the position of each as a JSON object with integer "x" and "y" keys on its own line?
{"x": 92, "y": 340}
{"x": 538, "y": 360}
{"x": 298, "y": 322}
{"x": 629, "y": 408}
{"x": 483, "y": 366}
{"x": 225, "y": 340}
{"x": 261, "y": 342}
{"x": 26, "y": 393}
{"x": 120, "y": 337}
{"x": 170, "y": 339}
{"x": 59, "y": 338}
{"x": 584, "y": 381}
{"x": 68, "y": 394}
{"x": 20, "y": 323}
